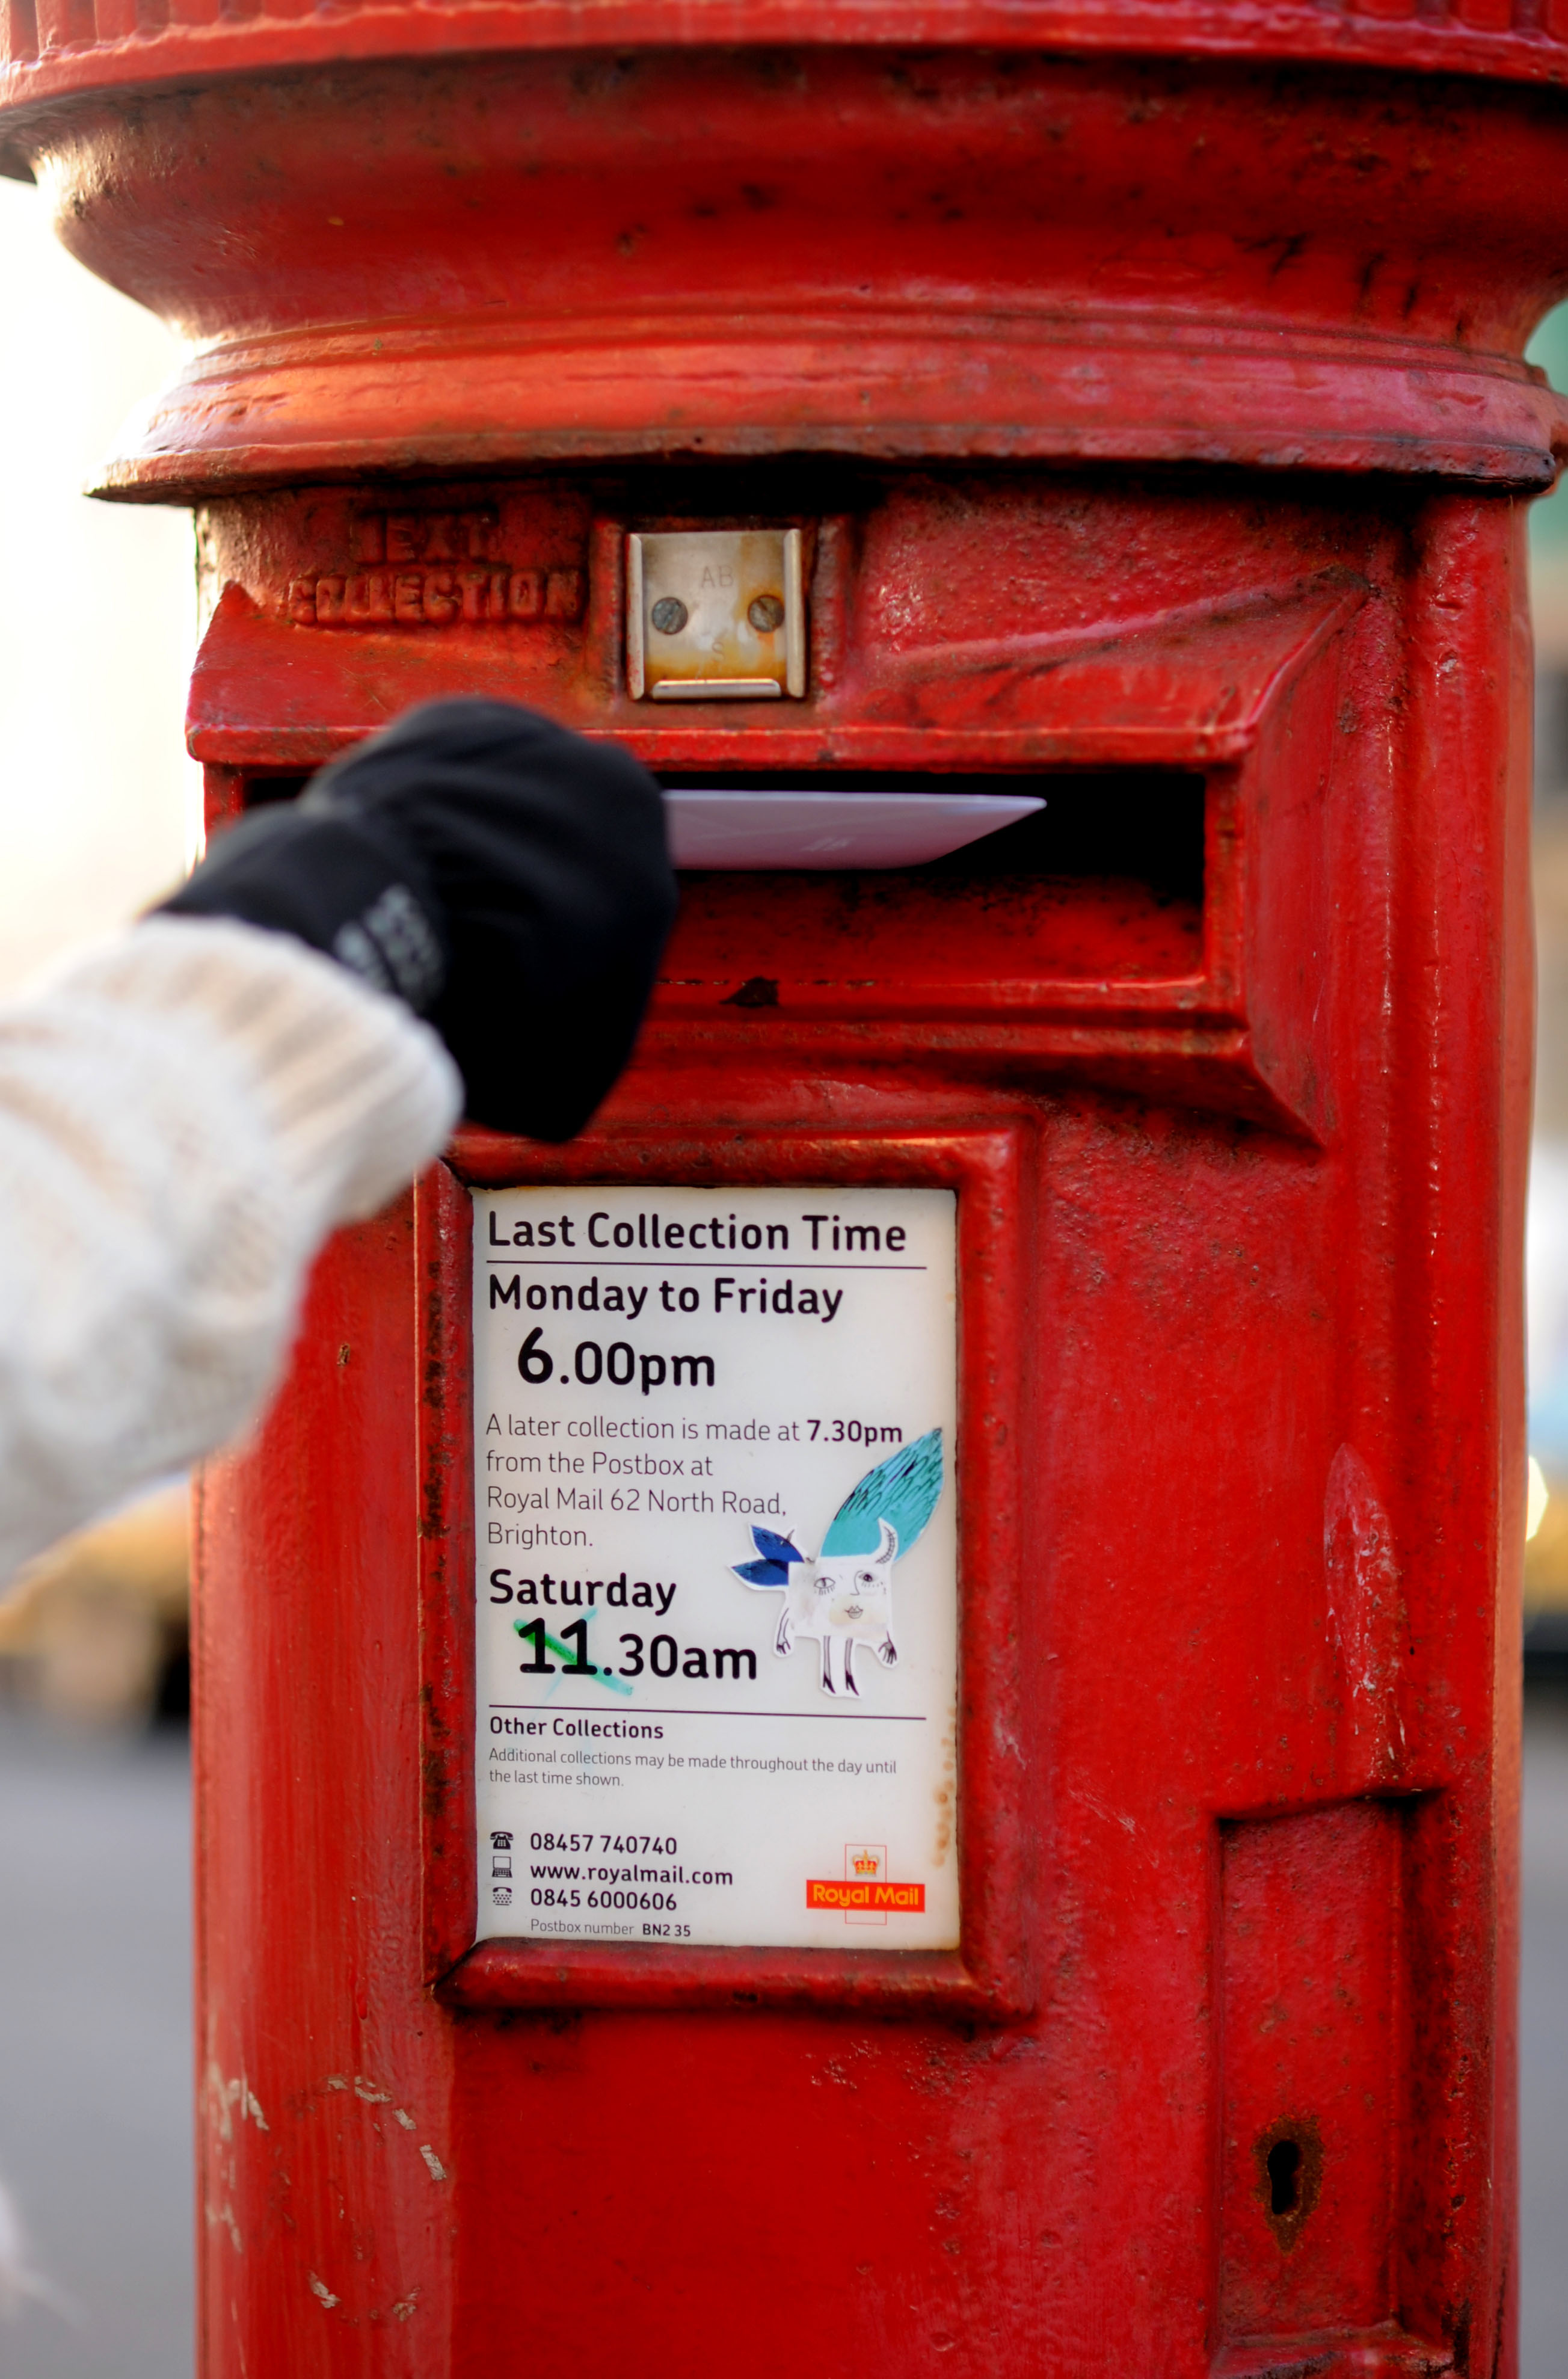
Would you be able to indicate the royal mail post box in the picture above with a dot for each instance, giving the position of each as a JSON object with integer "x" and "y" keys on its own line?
{"x": 868, "y": 1721}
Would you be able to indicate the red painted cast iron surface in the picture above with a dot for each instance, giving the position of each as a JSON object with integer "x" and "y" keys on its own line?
{"x": 1152, "y": 407}
{"x": 1241, "y": 1416}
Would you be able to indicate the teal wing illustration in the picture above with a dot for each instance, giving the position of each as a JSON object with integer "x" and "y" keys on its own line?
{"x": 902, "y": 1490}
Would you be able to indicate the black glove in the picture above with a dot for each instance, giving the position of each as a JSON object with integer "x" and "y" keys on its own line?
{"x": 507, "y": 878}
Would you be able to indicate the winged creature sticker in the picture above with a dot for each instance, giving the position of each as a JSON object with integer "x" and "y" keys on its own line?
{"x": 843, "y": 1595}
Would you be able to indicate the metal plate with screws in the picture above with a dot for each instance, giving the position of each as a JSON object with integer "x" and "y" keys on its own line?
{"x": 715, "y": 615}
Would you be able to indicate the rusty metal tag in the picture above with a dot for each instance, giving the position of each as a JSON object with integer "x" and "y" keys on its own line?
{"x": 715, "y": 615}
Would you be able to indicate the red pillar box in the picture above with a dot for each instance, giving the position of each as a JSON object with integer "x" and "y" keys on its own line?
{"x": 868, "y": 1721}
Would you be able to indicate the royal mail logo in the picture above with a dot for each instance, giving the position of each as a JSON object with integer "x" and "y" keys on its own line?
{"x": 866, "y": 1896}
{"x": 881, "y": 1899}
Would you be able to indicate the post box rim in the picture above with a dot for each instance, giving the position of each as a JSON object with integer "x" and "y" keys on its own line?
{"x": 202, "y": 46}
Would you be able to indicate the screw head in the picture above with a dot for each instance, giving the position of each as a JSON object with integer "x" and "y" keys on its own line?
{"x": 669, "y": 615}
{"x": 766, "y": 613}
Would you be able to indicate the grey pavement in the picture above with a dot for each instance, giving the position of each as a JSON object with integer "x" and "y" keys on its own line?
{"x": 95, "y": 2109}
{"x": 1543, "y": 2043}
{"x": 95, "y": 2091}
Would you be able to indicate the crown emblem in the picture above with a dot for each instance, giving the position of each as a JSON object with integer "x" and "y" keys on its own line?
{"x": 865, "y": 1863}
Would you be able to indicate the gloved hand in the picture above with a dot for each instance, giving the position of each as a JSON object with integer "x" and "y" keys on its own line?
{"x": 507, "y": 878}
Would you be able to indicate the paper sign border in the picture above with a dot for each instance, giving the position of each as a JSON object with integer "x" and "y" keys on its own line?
{"x": 992, "y": 1974}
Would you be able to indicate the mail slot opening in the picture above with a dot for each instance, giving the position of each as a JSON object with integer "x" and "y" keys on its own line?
{"x": 1144, "y": 825}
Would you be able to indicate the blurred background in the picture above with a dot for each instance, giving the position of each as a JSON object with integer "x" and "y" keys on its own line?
{"x": 98, "y": 811}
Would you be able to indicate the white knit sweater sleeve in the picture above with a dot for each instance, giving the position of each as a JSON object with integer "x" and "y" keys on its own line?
{"x": 185, "y": 1114}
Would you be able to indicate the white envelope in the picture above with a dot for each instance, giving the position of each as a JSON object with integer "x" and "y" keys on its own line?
{"x": 828, "y": 829}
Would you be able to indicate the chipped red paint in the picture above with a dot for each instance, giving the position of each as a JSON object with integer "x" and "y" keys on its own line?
{"x": 1155, "y": 418}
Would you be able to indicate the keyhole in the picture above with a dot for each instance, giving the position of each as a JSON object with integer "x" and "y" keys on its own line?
{"x": 1290, "y": 2174}
{"x": 1285, "y": 2177}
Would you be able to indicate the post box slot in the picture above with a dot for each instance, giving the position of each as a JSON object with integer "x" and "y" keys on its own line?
{"x": 1140, "y": 825}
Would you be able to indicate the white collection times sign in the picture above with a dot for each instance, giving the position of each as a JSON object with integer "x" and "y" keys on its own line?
{"x": 716, "y": 1520}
